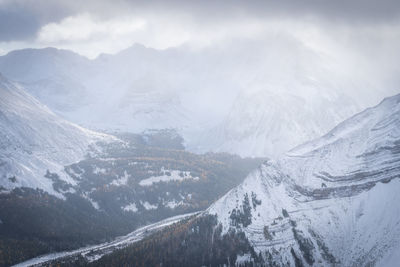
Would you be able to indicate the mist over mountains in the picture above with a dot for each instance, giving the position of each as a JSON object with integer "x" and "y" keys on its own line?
{"x": 199, "y": 133}
{"x": 224, "y": 98}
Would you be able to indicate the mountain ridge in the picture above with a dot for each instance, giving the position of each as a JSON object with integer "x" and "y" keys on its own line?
{"x": 295, "y": 205}
{"x": 212, "y": 110}
{"x": 34, "y": 139}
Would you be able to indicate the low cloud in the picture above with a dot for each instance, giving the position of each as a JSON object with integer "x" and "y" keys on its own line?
{"x": 361, "y": 37}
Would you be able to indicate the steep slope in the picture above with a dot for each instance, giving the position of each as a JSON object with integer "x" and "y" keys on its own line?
{"x": 328, "y": 201}
{"x": 364, "y": 146}
{"x": 33, "y": 140}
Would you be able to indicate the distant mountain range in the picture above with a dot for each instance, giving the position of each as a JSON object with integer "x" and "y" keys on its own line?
{"x": 259, "y": 103}
{"x": 326, "y": 202}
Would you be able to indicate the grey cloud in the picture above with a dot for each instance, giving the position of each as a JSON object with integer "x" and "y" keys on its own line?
{"x": 21, "y": 19}
{"x": 366, "y": 11}
{"x": 16, "y": 26}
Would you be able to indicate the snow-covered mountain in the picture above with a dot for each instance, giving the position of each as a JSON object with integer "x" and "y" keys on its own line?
{"x": 122, "y": 92}
{"x": 254, "y": 102}
{"x": 268, "y": 123}
{"x": 330, "y": 201}
{"x": 33, "y": 139}
{"x": 55, "y": 77}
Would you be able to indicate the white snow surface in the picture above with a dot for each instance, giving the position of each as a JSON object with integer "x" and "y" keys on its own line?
{"x": 173, "y": 204}
{"x": 174, "y": 175}
{"x": 340, "y": 192}
{"x": 33, "y": 139}
{"x": 241, "y": 259}
{"x": 148, "y": 206}
{"x": 131, "y": 207}
{"x": 123, "y": 180}
{"x": 94, "y": 203}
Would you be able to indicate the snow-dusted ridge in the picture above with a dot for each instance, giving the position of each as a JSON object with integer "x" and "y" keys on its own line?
{"x": 33, "y": 139}
{"x": 331, "y": 201}
{"x": 357, "y": 151}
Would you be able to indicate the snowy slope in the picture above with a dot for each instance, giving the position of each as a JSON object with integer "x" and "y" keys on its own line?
{"x": 330, "y": 201}
{"x": 33, "y": 140}
{"x": 361, "y": 147}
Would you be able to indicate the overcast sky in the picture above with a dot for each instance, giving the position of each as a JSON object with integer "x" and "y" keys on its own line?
{"x": 96, "y": 26}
